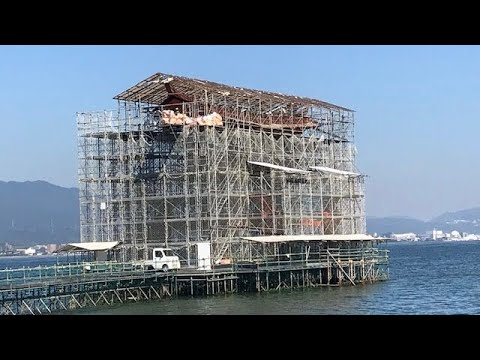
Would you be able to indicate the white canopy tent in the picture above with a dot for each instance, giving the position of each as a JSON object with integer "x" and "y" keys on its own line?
{"x": 289, "y": 238}
{"x": 99, "y": 249}
{"x": 89, "y": 246}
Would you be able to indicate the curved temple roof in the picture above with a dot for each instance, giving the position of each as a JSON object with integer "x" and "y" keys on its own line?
{"x": 154, "y": 90}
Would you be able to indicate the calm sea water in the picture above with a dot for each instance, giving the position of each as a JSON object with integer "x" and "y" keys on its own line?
{"x": 425, "y": 278}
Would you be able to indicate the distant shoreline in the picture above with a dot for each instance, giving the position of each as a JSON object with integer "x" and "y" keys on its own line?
{"x": 2, "y": 256}
{"x": 432, "y": 241}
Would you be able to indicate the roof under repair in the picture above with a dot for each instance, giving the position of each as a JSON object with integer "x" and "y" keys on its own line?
{"x": 158, "y": 87}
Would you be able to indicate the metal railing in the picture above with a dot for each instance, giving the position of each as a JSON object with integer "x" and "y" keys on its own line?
{"x": 111, "y": 270}
{"x": 295, "y": 260}
{"x": 73, "y": 272}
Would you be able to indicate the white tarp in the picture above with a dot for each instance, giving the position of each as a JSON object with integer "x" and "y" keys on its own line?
{"x": 203, "y": 255}
{"x": 278, "y": 167}
{"x": 334, "y": 171}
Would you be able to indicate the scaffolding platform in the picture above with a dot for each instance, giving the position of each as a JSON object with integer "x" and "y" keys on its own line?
{"x": 50, "y": 289}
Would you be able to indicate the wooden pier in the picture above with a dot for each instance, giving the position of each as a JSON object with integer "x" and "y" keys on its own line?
{"x": 49, "y": 289}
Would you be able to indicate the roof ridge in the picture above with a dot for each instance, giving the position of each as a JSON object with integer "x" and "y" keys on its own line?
{"x": 152, "y": 90}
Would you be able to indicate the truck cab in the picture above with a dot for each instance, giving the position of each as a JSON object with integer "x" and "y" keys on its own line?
{"x": 164, "y": 259}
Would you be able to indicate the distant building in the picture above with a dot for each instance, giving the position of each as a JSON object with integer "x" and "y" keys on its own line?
{"x": 30, "y": 251}
{"x": 436, "y": 235}
{"x": 405, "y": 237}
{"x": 51, "y": 248}
{"x": 6, "y": 248}
{"x": 455, "y": 235}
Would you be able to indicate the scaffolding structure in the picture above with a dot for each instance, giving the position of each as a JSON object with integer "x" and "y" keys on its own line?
{"x": 157, "y": 172}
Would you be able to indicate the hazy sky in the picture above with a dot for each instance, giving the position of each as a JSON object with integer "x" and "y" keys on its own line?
{"x": 417, "y": 121}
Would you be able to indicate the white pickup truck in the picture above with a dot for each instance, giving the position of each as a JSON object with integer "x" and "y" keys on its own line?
{"x": 163, "y": 259}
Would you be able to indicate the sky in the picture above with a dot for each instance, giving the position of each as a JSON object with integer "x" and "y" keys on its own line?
{"x": 416, "y": 122}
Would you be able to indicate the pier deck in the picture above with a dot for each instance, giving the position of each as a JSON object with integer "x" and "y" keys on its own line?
{"x": 47, "y": 289}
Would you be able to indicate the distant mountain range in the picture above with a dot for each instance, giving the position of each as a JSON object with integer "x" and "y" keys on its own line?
{"x": 464, "y": 221}
{"x": 37, "y": 212}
